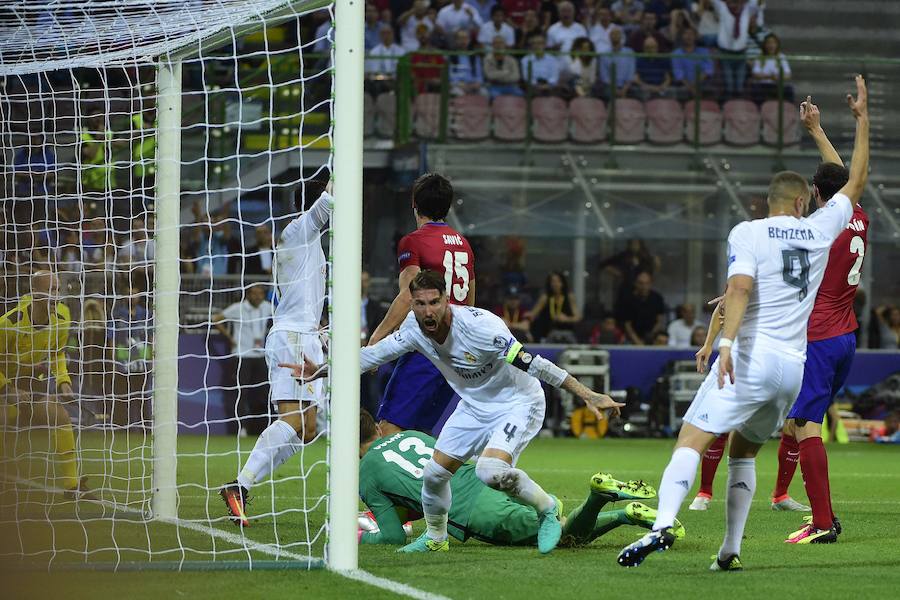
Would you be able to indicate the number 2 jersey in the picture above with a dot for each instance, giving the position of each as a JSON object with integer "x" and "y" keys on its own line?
{"x": 440, "y": 248}
{"x": 833, "y": 314}
{"x": 786, "y": 257}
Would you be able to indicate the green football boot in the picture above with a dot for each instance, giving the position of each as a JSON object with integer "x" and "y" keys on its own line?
{"x": 731, "y": 563}
{"x": 606, "y": 485}
{"x": 550, "y": 529}
{"x": 423, "y": 543}
{"x": 644, "y": 516}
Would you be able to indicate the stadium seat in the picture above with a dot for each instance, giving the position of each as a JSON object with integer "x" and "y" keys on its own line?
{"x": 588, "y": 120}
{"x": 549, "y": 116}
{"x": 385, "y": 115}
{"x": 470, "y": 117}
{"x": 630, "y": 121}
{"x": 710, "y": 122}
{"x": 509, "y": 118}
{"x": 791, "y": 123}
{"x": 368, "y": 115}
{"x": 741, "y": 123}
{"x": 665, "y": 121}
{"x": 427, "y": 119}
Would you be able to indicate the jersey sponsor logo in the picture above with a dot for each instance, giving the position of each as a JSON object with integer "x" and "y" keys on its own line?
{"x": 779, "y": 233}
{"x": 856, "y": 225}
{"x": 470, "y": 357}
{"x": 453, "y": 240}
{"x": 469, "y": 374}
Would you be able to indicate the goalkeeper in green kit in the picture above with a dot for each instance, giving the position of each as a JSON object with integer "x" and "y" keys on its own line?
{"x": 390, "y": 484}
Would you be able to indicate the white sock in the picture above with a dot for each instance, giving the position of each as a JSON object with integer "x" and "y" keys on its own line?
{"x": 500, "y": 475}
{"x": 677, "y": 481}
{"x": 741, "y": 487}
{"x": 436, "y": 499}
{"x": 277, "y": 443}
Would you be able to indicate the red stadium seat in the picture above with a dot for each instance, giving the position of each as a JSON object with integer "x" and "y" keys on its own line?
{"x": 470, "y": 117}
{"x": 510, "y": 124}
{"x": 710, "y": 122}
{"x": 550, "y": 116}
{"x": 368, "y": 115}
{"x": 741, "y": 123}
{"x": 385, "y": 114}
{"x": 427, "y": 119}
{"x": 790, "y": 123}
{"x": 630, "y": 121}
{"x": 588, "y": 120}
{"x": 665, "y": 121}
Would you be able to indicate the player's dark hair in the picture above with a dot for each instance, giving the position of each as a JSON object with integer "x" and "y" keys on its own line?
{"x": 830, "y": 178}
{"x": 309, "y": 192}
{"x": 367, "y": 431}
{"x": 428, "y": 280}
{"x": 432, "y": 195}
{"x": 549, "y": 288}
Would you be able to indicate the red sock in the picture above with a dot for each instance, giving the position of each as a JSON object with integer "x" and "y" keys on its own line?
{"x": 788, "y": 454}
{"x": 710, "y": 463}
{"x": 814, "y": 462}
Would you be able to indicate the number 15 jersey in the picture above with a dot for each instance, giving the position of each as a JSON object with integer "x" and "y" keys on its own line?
{"x": 440, "y": 248}
{"x": 786, "y": 257}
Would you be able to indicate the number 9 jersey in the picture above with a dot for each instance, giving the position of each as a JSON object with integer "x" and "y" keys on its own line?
{"x": 438, "y": 247}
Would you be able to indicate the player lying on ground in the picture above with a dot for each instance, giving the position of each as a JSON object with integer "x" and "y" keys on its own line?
{"x": 300, "y": 277}
{"x": 831, "y": 346}
{"x": 34, "y": 376}
{"x": 390, "y": 483}
{"x": 776, "y": 266}
{"x": 501, "y": 410}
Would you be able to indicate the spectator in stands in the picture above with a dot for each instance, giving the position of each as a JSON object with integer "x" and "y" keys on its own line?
{"x": 587, "y": 12}
{"x": 426, "y": 67}
{"x": 698, "y": 336}
{"x": 628, "y": 13}
{"x": 258, "y": 258}
{"x": 768, "y": 68}
{"x": 548, "y": 13}
{"x": 599, "y": 31}
{"x": 529, "y": 28}
{"x": 381, "y": 66}
{"x": 372, "y": 31}
{"x": 734, "y": 17}
{"x": 648, "y": 29}
{"x": 580, "y": 72}
{"x": 34, "y": 166}
{"x": 539, "y": 69}
{"x": 661, "y": 338}
{"x": 653, "y": 74}
{"x": 501, "y": 71}
{"x": 245, "y": 325}
{"x": 622, "y": 61}
{"x": 706, "y": 22}
{"x": 416, "y": 16}
{"x": 456, "y": 16}
{"x": 888, "y": 326}
{"x": 130, "y": 332}
{"x": 562, "y": 34}
{"x": 607, "y": 332}
{"x": 635, "y": 258}
{"x": 555, "y": 314}
{"x": 139, "y": 250}
{"x": 497, "y": 26}
{"x": 483, "y": 7}
{"x": 514, "y": 315}
{"x": 690, "y": 65}
{"x": 465, "y": 73}
{"x": 681, "y": 329}
{"x": 516, "y": 9}
{"x": 641, "y": 310}
{"x": 666, "y": 11}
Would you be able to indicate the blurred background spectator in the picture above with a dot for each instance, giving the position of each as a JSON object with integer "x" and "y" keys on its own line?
{"x": 555, "y": 314}
{"x": 514, "y": 315}
{"x": 562, "y": 34}
{"x": 732, "y": 40}
{"x": 681, "y": 330}
{"x": 539, "y": 69}
{"x": 417, "y": 16}
{"x": 768, "y": 67}
{"x": 628, "y": 13}
{"x": 501, "y": 71}
{"x": 622, "y": 62}
{"x": 888, "y": 327}
{"x": 641, "y": 310}
{"x": 496, "y": 26}
{"x": 580, "y": 70}
{"x": 690, "y": 64}
{"x": 652, "y": 74}
{"x": 600, "y": 28}
{"x": 465, "y": 72}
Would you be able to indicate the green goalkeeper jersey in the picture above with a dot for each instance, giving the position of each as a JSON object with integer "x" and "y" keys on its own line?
{"x": 390, "y": 484}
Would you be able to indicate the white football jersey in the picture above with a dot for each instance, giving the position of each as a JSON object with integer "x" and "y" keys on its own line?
{"x": 473, "y": 359}
{"x": 300, "y": 270}
{"x": 786, "y": 257}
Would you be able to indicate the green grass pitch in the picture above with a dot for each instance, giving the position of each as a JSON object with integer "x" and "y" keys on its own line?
{"x": 865, "y": 563}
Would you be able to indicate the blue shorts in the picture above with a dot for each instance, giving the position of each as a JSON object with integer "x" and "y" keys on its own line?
{"x": 827, "y": 366}
{"x": 416, "y": 395}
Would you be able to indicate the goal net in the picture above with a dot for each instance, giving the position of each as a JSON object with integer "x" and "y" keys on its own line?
{"x": 153, "y": 152}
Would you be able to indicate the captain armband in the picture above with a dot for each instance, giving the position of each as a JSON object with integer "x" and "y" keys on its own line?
{"x": 535, "y": 365}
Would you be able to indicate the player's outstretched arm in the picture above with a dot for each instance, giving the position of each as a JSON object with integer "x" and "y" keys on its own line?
{"x": 859, "y": 162}
{"x": 737, "y": 296}
{"x": 596, "y": 402}
{"x": 809, "y": 115}
{"x": 399, "y": 307}
{"x": 715, "y": 326}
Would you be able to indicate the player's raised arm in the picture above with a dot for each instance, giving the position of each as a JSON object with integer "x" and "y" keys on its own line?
{"x": 859, "y": 162}
{"x": 809, "y": 115}
{"x": 399, "y": 307}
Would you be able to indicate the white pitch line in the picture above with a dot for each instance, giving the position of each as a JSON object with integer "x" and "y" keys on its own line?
{"x": 390, "y": 585}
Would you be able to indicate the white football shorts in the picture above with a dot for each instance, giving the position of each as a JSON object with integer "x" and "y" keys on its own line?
{"x": 290, "y": 347}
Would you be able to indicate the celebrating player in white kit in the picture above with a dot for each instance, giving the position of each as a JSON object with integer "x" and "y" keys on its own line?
{"x": 300, "y": 271}
{"x": 775, "y": 267}
{"x": 501, "y": 410}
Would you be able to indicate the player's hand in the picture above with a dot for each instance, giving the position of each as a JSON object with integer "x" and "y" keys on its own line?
{"x": 726, "y": 367}
{"x": 308, "y": 371}
{"x": 702, "y": 358}
{"x": 598, "y": 403}
{"x": 859, "y": 106}
{"x": 809, "y": 114}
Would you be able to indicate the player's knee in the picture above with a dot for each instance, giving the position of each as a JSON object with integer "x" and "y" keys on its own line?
{"x": 435, "y": 475}
{"x": 497, "y": 474}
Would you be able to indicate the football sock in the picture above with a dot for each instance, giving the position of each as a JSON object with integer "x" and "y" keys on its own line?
{"x": 741, "y": 487}
{"x": 606, "y": 522}
{"x": 710, "y": 464}
{"x": 436, "y": 500}
{"x": 500, "y": 475}
{"x": 64, "y": 444}
{"x": 814, "y": 463}
{"x": 677, "y": 480}
{"x": 788, "y": 455}
{"x": 275, "y": 445}
{"x": 582, "y": 521}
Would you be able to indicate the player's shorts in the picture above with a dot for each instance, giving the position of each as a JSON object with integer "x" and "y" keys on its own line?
{"x": 498, "y": 519}
{"x": 416, "y": 394}
{"x": 466, "y": 434}
{"x": 766, "y": 385}
{"x": 828, "y": 363}
{"x": 290, "y": 347}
